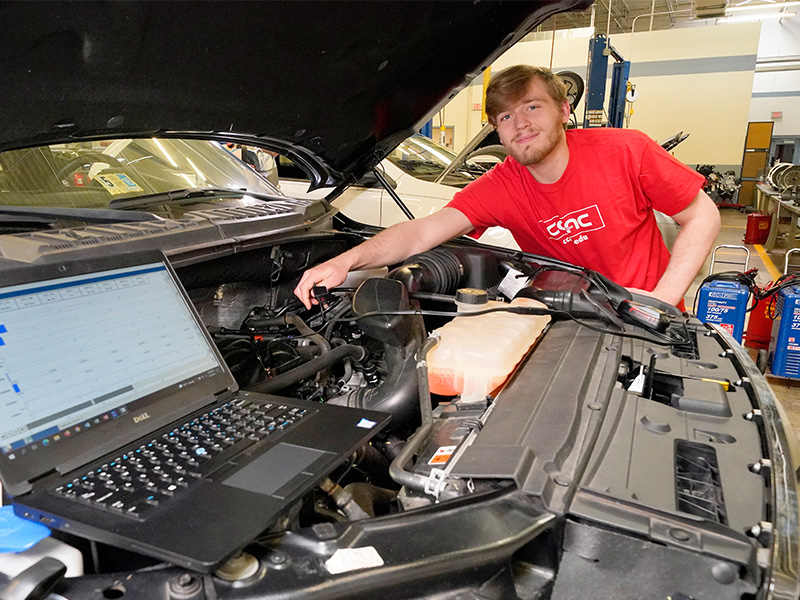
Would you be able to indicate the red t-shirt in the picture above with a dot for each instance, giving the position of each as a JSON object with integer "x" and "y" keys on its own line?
{"x": 599, "y": 213}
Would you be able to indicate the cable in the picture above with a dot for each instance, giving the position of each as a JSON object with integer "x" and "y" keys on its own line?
{"x": 747, "y": 279}
{"x": 598, "y": 282}
{"x": 782, "y": 282}
{"x": 522, "y": 310}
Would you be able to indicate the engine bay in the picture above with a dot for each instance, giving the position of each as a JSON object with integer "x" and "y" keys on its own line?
{"x": 677, "y": 396}
{"x": 602, "y": 430}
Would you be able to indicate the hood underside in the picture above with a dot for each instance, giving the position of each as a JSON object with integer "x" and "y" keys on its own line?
{"x": 337, "y": 85}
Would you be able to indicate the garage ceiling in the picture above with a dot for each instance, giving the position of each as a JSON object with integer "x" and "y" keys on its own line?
{"x": 625, "y": 14}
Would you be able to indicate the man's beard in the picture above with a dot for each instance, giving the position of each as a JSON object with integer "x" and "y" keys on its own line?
{"x": 541, "y": 148}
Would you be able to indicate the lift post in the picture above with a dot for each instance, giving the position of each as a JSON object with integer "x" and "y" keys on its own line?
{"x": 597, "y": 68}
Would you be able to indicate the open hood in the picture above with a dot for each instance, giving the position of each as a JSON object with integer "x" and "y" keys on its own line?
{"x": 334, "y": 85}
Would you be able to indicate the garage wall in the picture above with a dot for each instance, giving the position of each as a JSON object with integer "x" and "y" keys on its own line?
{"x": 698, "y": 80}
{"x": 778, "y": 90}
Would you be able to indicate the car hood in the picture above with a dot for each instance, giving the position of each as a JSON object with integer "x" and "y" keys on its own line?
{"x": 331, "y": 84}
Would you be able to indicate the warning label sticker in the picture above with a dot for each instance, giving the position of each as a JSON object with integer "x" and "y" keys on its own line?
{"x": 442, "y": 455}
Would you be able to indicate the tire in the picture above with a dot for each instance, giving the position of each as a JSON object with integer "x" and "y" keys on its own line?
{"x": 762, "y": 361}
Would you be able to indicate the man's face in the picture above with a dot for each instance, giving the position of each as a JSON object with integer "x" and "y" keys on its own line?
{"x": 533, "y": 127}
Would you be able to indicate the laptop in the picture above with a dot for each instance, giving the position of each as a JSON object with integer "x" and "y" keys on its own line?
{"x": 121, "y": 423}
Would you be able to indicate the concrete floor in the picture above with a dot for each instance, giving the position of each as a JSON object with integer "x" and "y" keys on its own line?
{"x": 770, "y": 266}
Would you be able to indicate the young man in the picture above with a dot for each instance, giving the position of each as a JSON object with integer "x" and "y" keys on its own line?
{"x": 584, "y": 196}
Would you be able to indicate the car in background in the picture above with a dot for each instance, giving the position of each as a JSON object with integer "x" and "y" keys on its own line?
{"x": 420, "y": 176}
{"x": 259, "y": 159}
{"x": 622, "y": 451}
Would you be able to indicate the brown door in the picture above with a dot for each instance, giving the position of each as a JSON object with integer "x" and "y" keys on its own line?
{"x": 754, "y": 160}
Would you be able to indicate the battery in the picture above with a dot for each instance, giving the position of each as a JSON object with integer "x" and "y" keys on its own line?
{"x": 784, "y": 341}
{"x": 724, "y": 303}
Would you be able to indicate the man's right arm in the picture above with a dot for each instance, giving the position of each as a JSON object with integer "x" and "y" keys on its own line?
{"x": 390, "y": 246}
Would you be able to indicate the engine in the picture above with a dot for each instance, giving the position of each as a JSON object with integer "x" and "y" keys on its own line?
{"x": 360, "y": 346}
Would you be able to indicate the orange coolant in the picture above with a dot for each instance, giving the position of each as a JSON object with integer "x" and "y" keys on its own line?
{"x": 475, "y": 355}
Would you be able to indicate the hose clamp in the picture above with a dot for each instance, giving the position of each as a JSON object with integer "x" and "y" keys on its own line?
{"x": 435, "y": 483}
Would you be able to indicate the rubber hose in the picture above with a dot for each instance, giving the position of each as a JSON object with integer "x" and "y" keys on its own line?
{"x": 446, "y": 265}
{"x": 437, "y": 271}
{"x": 256, "y": 322}
{"x": 397, "y": 468}
{"x": 314, "y": 338}
{"x": 310, "y": 368}
{"x": 308, "y": 333}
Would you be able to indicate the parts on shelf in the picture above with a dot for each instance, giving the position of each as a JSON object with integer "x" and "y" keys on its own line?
{"x": 785, "y": 177}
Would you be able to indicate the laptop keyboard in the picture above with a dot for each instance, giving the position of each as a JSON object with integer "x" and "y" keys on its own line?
{"x": 156, "y": 472}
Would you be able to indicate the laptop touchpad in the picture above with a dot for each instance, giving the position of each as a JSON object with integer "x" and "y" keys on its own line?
{"x": 279, "y": 471}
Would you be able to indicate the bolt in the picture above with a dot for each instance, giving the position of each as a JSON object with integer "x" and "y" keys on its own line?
{"x": 761, "y": 532}
{"x": 753, "y": 415}
{"x": 277, "y": 558}
{"x": 762, "y": 466}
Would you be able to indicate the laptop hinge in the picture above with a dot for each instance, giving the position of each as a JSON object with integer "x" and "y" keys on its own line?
{"x": 228, "y": 391}
{"x": 23, "y": 487}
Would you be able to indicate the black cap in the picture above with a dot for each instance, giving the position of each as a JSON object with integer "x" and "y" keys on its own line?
{"x": 472, "y": 296}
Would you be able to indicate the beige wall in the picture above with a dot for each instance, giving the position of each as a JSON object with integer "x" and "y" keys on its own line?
{"x": 697, "y": 80}
{"x": 778, "y": 90}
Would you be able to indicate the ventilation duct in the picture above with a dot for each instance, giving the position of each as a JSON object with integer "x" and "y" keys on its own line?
{"x": 710, "y": 9}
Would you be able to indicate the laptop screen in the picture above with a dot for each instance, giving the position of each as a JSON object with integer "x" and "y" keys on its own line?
{"x": 81, "y": 352}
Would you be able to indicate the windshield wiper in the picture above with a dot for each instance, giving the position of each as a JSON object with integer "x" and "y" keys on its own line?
{"x": 418, "y": 165}
{"x": 45, "y": 214}
{"x": 176, "y": 195}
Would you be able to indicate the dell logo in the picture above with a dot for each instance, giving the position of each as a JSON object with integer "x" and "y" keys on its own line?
{"x": 142, "y": 417}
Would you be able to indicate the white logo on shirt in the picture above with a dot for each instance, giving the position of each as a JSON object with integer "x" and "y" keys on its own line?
{"x": 571, "y": 226}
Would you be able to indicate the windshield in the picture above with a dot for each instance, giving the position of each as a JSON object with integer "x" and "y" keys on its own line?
{"x": 95, "y": 174}
{"x": 424, "y": 159}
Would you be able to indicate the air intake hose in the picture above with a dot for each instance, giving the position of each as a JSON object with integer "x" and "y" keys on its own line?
{"x": 398, "y": 394}
{"x": 437, "y": 271}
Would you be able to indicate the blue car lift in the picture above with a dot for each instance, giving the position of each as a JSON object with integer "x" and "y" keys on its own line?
{"x": 597, "y": 69}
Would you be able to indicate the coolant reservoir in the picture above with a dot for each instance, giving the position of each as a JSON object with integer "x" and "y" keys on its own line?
{"x": 475, "y": 355}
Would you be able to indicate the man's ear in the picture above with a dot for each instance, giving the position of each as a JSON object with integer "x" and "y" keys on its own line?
{"x": 565, "y": 112}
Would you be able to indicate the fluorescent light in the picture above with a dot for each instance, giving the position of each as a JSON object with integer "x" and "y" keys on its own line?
{"x": 744, "y": 7}
{"x": 196, "y": 170}
{"x": 757, "y": 17}
{"x": 165, "y": 153}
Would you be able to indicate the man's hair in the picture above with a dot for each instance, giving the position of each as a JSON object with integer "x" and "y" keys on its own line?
{"x": 510, "y": 85}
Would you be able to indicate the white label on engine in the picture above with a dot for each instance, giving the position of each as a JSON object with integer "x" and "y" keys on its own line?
{"x": 352, "y": 559}
{"x": 512, "y": 283}
{"x": 637, "y": 386}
